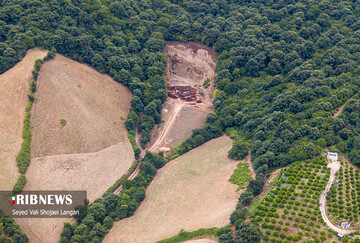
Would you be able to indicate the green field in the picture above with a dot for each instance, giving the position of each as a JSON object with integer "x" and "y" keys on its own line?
{"x": 290, "y": 211}
{"x": 344, "y": 197}
{"x": 241, "y": 175}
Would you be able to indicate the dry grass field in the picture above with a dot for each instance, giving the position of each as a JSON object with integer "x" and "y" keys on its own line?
{"x": 93, "y": 172}
{"x": 90, "y": 152}
{"x": 190, "y": 192}
{"x": 89, "y": 102}
{"x": 14, "y": 87}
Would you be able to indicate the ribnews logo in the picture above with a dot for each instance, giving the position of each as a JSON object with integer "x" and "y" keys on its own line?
{"x": 33, "y": 199}
{"x": 43, "y": 204}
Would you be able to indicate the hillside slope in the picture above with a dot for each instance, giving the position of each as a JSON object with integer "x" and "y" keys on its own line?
{"x": 14, "y": 87}
{"x": 189, "y": 193}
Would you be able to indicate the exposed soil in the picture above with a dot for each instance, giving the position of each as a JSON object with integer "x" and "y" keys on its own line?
{"x": 185, "y": 93}
{"x": 90, "y": 152}
{"x": 203, "y": 240}
{"x": 270, "y": 178}
{"x": 93, "y": 172}
{"x": 189, "y": 193}
{"x": 251, "y": 166}
{"x": 189, "y": 65}
{"x": 89, "y": 102}
{"x": 340, "y": 108}
{"x": 14, "y": 87}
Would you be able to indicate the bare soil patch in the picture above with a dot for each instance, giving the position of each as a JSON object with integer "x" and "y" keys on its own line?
{"x": 93, "y": 172}
{"x": 91, "y": 104}
{"x": 203, "y": 240}
{"x": 189, "y": 65}
{"x": 189, "y": 193}
{"x": 90, "y": 151}
{"x": 14, "y": 87}
{"x": 339, "y": 110}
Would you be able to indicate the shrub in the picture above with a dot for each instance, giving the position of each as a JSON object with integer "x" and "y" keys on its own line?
{"x": 19, "y": 184}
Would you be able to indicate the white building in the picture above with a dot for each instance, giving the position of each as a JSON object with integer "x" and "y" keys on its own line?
{"x": 345, "y": 225}
{"x": 333, "y": 157}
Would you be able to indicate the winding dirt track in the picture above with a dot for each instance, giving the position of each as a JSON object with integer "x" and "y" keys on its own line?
{"x": 334, "y": 166}
{"x": 160, "y": 138}
{"x": 340, "y": 109}
{"x": 251, "y": 167}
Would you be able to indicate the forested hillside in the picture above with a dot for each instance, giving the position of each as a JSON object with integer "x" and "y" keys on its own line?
{"x": 284, "y": 67}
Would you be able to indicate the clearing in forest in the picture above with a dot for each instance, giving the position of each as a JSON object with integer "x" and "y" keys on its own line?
{"x": 190, "y": 74}
{"x": 90, "y": 103}
{"x": 14, "y": 87}
{"x": 190, "y": 192}
{"x": 79, "y": 139}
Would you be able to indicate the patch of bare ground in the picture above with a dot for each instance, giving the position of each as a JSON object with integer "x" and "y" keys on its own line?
{"x": 203, "y": 240}
{"x": 91, "y": 104}
{"x": 270, "y": 178}
{"x": 14, "y": 87}
{"x": 339, "y": 110}
{"x": 93, "y": 172}
{"x": 181, "y": 128}
{"x": 190, "y": 192}
{"x": 189, "y": 65}
{"x": 90, "y": 151}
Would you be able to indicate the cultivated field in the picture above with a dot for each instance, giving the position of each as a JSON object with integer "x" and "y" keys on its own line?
{"x": 93, "y": 172}
{"x": 88, "y": 151}
{"x": 344, "y": 196}
{"x": 188, "y": 65}
{"x": 89, "y": 102}
{"x": 290, "y": 210}
{"x": 190, "y": 192}
{"x": 14, "y": 87}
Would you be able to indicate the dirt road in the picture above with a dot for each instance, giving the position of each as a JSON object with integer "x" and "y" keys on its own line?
{"x": 251, "y": 167}
{"x": 164, "y": 132}
{"x": 334, "y": 166}
{"x": 167, "y": 126}
{"x": 340, "y": 109}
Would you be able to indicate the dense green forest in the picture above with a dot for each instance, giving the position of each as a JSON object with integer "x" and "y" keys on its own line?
{"x": 283, "y": 67}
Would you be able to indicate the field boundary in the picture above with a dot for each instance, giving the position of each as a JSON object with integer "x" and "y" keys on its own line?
{"x": 184, "y": 235}
{"x": 23, "y": 157}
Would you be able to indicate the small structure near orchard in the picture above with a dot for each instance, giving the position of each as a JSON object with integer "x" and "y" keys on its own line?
{"x": 332, "y": 157}
{"x": 345, "y": 225}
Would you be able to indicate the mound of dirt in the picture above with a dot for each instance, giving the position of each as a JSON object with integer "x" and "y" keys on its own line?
{"x": 189, "y": 193}
{"x": 14, "y": 87}
{"x": 185, "y": 93}
{"x": 90, "y": 104}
